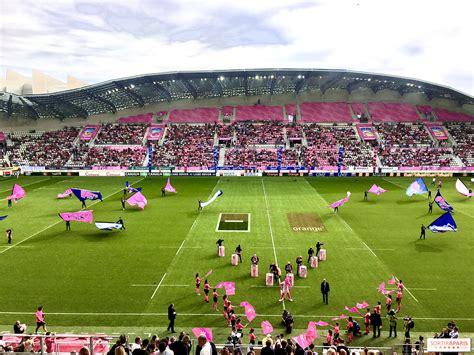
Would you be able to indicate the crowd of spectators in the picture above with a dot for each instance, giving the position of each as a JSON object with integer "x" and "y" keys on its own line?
{"x": 463, "y": 135}
{"x": 116, "y": 133}
{"x": 416, "y": 157}
{"x": 404, "y": 135}
{"x": 258, "y": 134}
{"x": 52, "y": 148}
{"x": 107, "y": 156}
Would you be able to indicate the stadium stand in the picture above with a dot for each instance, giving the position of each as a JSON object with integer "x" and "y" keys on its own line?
{"x": 404, "y": 135}
{"x": 114, "y": 133}
{"x": 463, "y": 135}
{"x": 416, "y": 157}
{"x": 445, "y": 115}
{"x": 108, "y": 156}
{"x": 143, "y": 118}
{"x": 268, "y": 133}
{"x": 327, "y": 112}
{"x": 392, "y": 112}
{"x": 259, "y": 113}
{"x": 194, "y": 115}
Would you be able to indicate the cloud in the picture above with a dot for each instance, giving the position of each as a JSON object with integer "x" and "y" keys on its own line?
{"x": 102, "y": 40}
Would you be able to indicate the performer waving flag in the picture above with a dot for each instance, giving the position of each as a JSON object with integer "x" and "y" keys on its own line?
{"x": 441, "y": 202}
{"x": 463, "y": 189}
{"x": 445, "y": 223}
{"x": 17, "y": 193}
{"x": 211, "y": 200}
{"x": 417, "y": 187}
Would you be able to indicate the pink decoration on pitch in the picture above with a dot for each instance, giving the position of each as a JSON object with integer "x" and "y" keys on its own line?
{"x": 290, "y": 280}
{"x": 311, "y": 332}
{"x": 221, "y": 251}
{"x": 17, "y": 193}
{"x": 249, "y": 311}
{"x": 303, "y": 271}
{"x": 376, "y": 190}
{"x": 81, "y": 216}
{"x": 229, "y": 287}
{"x": 322, "y": 254}
{"x": 463, "y": 189}
{"x": 168, "y": 186}
{"x": 392, "y": 281}
{"x": 267, "y": 328}
{"x": 362, "y": 305}
{"x": 381, "y": 287}
{"x": 341, "y": 202}
{"x": 208, "y": 273}
{"x": 203, "y": 331}
{"x": 342, "y": 316}
{"x": 351, "y": 309}
{"x": 269, "y": 279}
{"x": 322, "y": 324}
{"x": 65, "y": 194}
{"x": 314, "y": 262}
{"x": 138, "y": 199}
{"x": 234, "y": 259}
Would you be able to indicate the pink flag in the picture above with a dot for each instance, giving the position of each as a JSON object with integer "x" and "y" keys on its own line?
{"x": 203, "y": 331}
{"x": 266, "y": 327}
{"x": 322, "y": 324}
{"x": 208, "y": 273}
{"x": 340, "y": 202}
{"x": 352, "y": 309}
{"x": 376, "y": 190}
{"x": 362, "y": 305}
{"x": 229, "y": 287}
{"x": 392, "y": 281}
{"x": 64, "y": 194}
{"x": 302, "y": 341}
{"x": 249, "y": 311}
{"x": 311, "y": 332}
{"x": 168, "y": 186}
{"x": 342, "y": 316}
{"x": 138, "y": 199}
{"x": 81, "y": 216}
{"x": 382, "y": 287}
{"x": 17, "y": 193}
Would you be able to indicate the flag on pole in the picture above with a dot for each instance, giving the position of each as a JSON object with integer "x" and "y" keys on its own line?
{"x": 211, "y": 200}
{"x": 322, "y": 324}
{"x": 445, "y": 223}
{"x": 208, "y": 273}
{"x": 362, "y": 305}
{"x": 108, "y": 226}
{"x": 463, "y": 189}
{"x": 207, "y": 332}
{"x": 82, "y": 194}
{"x": 351, "y": 309}
{"x": 249, "y": 311}
{"x": 441, "y": 202}
{"x": 168, "y": 186}
{"x": 267, "y": 328}
{"x": 392, "y": 281}
{"x": 3, "y": 217}
{"x": 342, "y": 316}
{"x": 340, "y": 202}
{"x": 81, "y": 216}
{"x": 131, "y": 189}
{"x": 17, "y": 193}
{"x": 137, "y": 199}
{"x": 376, "y": 190}
{"x": 417, "y": 187}
{"x": 229, "y": 287}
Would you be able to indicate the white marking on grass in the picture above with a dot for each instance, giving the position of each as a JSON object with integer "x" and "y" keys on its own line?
{"x": 464, "y": 213}
{"x": 98, "y": 314}
{"x": 154, "y": 285}
{"x": 60, "y": 220}
{"x": 263, "y": 286}
{"x": 233, "y": 231}
{"x": 194, "y": 223}
{"x": 180, "y": 247}
{"x": 394, "y": 183}
{"x": 271, "y": 232}
{"x": 21, "y": 246}
{"x": 158, "y": 286}
{"x": 369, "y": 249}
{"x": 406, "y": 288}
{"x": 415, "y": 288}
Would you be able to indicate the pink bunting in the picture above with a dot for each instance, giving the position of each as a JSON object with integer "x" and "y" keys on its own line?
{"x": 322, "y": 324}
{"x": 392, "y": 281}
{"x": 208, "y": 273}
{"x": 267, "y": 328}
{"x": 229, "y": 287}
{"x": 342, "y": 316}
{"x": 203, "y": 331}
{"x": 249, "y": 311}
{"x": 340, "y": 202}
{"x": 362, "y": 305}
{"x": 81, "y": 216}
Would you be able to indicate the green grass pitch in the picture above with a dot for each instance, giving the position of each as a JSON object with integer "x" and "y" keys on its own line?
{"x": 89, "y": 280}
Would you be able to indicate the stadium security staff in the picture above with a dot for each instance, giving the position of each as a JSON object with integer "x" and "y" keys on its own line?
{"x": 325, "y": 290}
{"x": 171, "y": 318}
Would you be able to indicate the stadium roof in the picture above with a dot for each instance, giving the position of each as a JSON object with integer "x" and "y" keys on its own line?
{"x": 139, "y": 91}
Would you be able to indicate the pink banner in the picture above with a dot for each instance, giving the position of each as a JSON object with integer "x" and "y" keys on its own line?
{"x": 437, "y": 131}
{"x": 229, "y": 287}
{"x": 366, "y": 132}
{"x": 154, "y": 132}
{"x": 138, "y": 199}
{"x": 17, "y": 193}
{"x": 302, "y": 341}
{"x": 362, "y": 305}
{"x": 322, "y": 324}
{"x": 311, "y": 332}
{"x": 267, "y": 328}
{"x": 89, "y": 132}
{"x": 81, "y": 216}
{"x": 342, "y": 316}
{"x": 340, "y": 202}
{"x": 376, "y": 190}
{"x": 381, "y": 287}
{"x": 65, "y": 194}
{"x": 351, "y": 309}
{"x": 249, "y": 311}
{"x": 392, "y": 281}
{"x": 203, "y": 331}
{"x": 168, "y": 186}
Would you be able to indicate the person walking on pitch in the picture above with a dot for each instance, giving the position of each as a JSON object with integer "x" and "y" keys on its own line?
{"x": 365, "y": 195}
{"x": 430, "y": 207}
{"x": 288, "y": 268}
{"x": 254, "y": 259}
{"x": 122, "y": 201}
{"x": 68, "y": 225}
{"x": 84, "y": 206}
{"x": 40, "y": 323}
{"x": 9, "y": 232}
{"x": 163, "y": 192}
{"x": 423, "y": 232}
{"x": 310, "y": 254}
{"x": 318, "y": 248}
{"x": 171, "y": 318}
{"x": 238, "y": 251}
{"x": 325, "y": 291}
{"x": 299, "y": 262}
{"x": 219, "y": 243}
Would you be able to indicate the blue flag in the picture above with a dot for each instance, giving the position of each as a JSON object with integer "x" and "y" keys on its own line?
{"x": 132, "y": 189}
{"x": 445, "y": 223}
{"x": 86, "y": 194}
{"x": 417, "y": 187}
{"x": 3, "y": 217}
{"x": 441, "y": 202}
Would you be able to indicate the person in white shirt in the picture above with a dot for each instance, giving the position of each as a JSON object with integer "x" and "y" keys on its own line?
{"x": 205, "y": 346}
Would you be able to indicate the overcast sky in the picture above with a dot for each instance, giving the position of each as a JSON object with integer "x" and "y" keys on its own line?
{"x": 102, "y": 40}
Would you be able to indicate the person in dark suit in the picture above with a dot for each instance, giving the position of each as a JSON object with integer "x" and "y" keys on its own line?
{"x": 376, "y": 322}
{"x": 365, "y": 196}
{"x": 430, "y": 207}
{"x": 163, "y": 192}
{"x": 310, "y": 254}
{"x": 171, "y": 318}
{"x": 423, "y": 231}
{"x": 267, "y": 350}
{"x": 318, "y": 248}
{"x": 325, "y": 291}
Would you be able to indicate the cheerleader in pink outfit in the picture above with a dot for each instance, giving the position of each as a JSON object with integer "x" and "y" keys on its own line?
{"x": 198, "y": 285}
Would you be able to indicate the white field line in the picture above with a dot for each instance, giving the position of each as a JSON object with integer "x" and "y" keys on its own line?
{"x": 369, "y": 249}
{"x": 98, "y": 314}
{"x": 394, "y": 183}
{"x": 263, "y": 286}
{"x": 406, "y": 288}
{"x": 21, "y": 246}
{"x": 271, "y": 231}
{"x": 158, "y": 286}
{"x": 60, "y": 220}
{"x": 415, "y": 288}
{"x": 31, "y": 183}
{"x": 180, "y": 247}
{"x": 154, "y": 285}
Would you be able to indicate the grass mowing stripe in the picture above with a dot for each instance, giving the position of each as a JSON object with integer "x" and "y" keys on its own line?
{"x": 55, "y": 223}
{"x": 271, "y": 232}
{"x": 157, "y": 287}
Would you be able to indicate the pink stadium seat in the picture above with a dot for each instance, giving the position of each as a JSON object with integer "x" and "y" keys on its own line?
{"x": 227, "y": 110}
{"x": 291, "y": 109}
{"x": 195, "y": 115}
{"x": 259, "y": 113}
{"x": 392, "y": 112}
{"x": 325, "y": 112}
{"x": 445, "y": 115}
{"x": 358, "y": 108}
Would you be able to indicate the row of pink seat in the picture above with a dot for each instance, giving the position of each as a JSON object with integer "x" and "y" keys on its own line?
{"x": 325, "y": 112}
{"x": 141, "y": 118}
{"x": 200, "y": 114}
{"x": 392, "y": 112}
{"x": 259, "y": 113}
